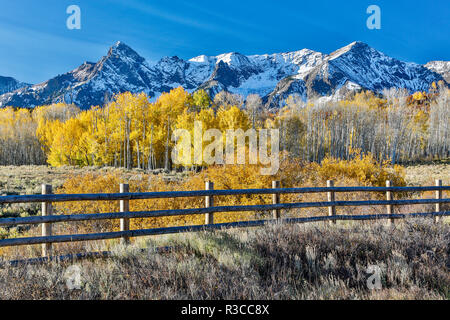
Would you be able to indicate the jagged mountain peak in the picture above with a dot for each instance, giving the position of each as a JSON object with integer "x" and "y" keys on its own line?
{"x": 121, "y": 51}
{"x": 259, "y": 74}
{"x": 120, "y": 46}
{"x": 354, "y": 67}
{"x": 233, "y": 59}
{"x": 203, "y": 59}
{"x": 356, "y": 47}
{"x": 274, "y": 76}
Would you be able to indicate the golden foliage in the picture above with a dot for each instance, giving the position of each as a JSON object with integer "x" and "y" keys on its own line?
{"x": 130, "y": 131}
{"x": 362, "y": 170}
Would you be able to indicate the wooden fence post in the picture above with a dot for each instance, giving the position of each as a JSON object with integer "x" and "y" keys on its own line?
{"x": 276, "y": 199}
{"x": 331, "y": 198}
{"x": 438, "y": 196}
{"x": 389, "y": 207}
{"x": 47, "y": 210}
{"x": 209, "y": 202}
{"x": 125, "y": 207}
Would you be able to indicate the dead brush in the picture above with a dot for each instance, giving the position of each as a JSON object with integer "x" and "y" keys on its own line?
{"x": 302, "y": 261}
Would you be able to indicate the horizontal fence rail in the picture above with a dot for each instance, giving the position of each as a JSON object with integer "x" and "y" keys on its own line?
{"x": 218, "y": 226}
{"x": 200, "y": 193}
{"x": 48, "y": 218}
{"x": 178, "y": 212}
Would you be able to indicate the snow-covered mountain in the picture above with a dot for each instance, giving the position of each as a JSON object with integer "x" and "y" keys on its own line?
{"x": 273, "y": 76}
{"x": 259, "y": 74}
{"x": 441, "y": 67}
{"x": 122, "y": 69}
{"x": 360, "y": 65}
{"x": 8, "y": 84}
{"x": 354, "y": 67}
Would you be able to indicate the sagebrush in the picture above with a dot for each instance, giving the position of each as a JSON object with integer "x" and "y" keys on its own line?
{"x": 313, "y": 261}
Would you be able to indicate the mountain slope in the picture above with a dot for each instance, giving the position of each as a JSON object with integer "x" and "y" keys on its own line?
{"x": 122, "y": 69}
{"x": 274, "y": 77}
{"x": 358, "y": 66}
{"x": 258, "y": 73}
{"x": 8, "y": 84}
{"x": 440, "y": 67}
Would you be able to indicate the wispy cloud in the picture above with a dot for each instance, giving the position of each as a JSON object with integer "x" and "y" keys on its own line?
{"x": 184, "y": 20}
{"x": 23, "y": 41}
{"x": 223, "y": 17}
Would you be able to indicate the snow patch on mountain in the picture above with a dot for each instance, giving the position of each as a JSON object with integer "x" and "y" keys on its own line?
{"x": 440, "y": 67}
{"x": 8, "y": 84}
{"x": 304, "y": 73}
{"x": 369, "y": 69}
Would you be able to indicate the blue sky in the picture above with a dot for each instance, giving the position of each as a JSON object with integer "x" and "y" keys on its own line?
{"x": 36, "y": 45}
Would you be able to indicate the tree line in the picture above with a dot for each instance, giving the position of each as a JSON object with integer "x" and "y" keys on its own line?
{"x": 133, "y": 132}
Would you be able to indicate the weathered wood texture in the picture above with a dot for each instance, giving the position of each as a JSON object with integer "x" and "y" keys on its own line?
{"x": 209, "y": 202}
{"x": 176, "y": 212}
{"x": 331, "y": 198}
{"x": 201, "y": 193}
{"x": 389, "y": 207}
{"x": 125, "y": 215}
{"x": 47, "y": 210}
{"x": 169, "y": 230}
{"x": 438, "y": 196}
{"x": 124, "y": 206}
{"x": 276, "y": 200}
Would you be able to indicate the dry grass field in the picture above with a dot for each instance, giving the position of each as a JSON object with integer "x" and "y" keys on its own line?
{"x": 28, "y": 179}
{"x": 310, "y": 261}
{"x": 426, "y": 174}
{"x": 19, "y": 180}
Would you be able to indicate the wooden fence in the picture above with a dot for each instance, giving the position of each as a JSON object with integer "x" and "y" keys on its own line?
{"x": 48, "y": 218}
